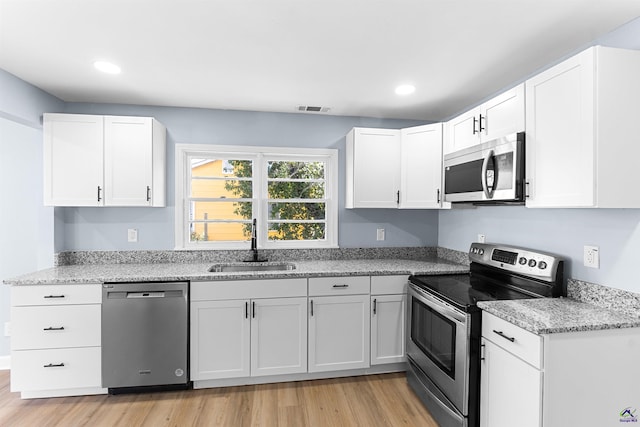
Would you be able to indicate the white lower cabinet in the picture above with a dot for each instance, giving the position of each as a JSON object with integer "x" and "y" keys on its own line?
{"x": 339, "y": 325}
{"x": 388, "y": 310}
{"x": 232, "y": 338}
{"x": 559, "y": 379}
{"x": 56, "y": 340}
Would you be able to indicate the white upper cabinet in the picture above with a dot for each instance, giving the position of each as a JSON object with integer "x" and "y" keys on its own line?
{"x": 373, "y": 168}
{"x": 498, "y": 117}
{"x": 391, "y": 168}
{"x": 421, "y": 167}
{"x": 103, "y": 161}
{"x": 581, "y": 130}
{"x": 73, "y": 160}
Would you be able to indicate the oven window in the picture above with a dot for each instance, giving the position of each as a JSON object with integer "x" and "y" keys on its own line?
{"x": 435, "y": 335}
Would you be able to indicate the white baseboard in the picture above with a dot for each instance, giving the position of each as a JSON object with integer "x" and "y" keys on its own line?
{"x": 5, "y": 363}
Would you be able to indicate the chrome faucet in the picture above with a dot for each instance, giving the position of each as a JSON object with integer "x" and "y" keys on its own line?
{"x": 254, "y": 243}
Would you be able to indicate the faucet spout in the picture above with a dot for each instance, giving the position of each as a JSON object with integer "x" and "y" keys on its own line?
{"x": 254, "y": 243}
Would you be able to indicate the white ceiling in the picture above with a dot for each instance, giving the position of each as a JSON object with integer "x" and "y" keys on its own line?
{"x": 273, "y": 55}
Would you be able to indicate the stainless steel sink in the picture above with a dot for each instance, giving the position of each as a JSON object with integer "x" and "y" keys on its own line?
{"x": 251, "y": 266}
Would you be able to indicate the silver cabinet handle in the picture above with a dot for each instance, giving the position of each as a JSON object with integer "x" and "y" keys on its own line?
{"x": 311, "y": 301}
{"x": 474, "y": 125}
{"x": 54, "y": 365}
{"x": 526, "y": 189}
{"x": 246, "y": 309}
{"x": 99, "y": 191}
{"x": 480, "y": 123}
{"x": 375, "y": 300}
{"x": 504, "y": 336}
{"x": 482, "y": 346}
{"x": 341, "y": 286}
{"x": 52, "y": 328}
{"x": 148, "y": 193}
{"x": 398, "y": 197}
{"x": 253, "y": 309}
{"x": 438, "y": 195}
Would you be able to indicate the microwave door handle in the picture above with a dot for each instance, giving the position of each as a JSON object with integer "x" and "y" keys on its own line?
{"x": 488, "y": 192}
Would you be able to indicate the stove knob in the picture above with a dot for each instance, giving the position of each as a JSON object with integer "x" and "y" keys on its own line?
{"x": 532, "y": 263}
{"x": 481, "y": 251}
{"x": 522, "y": 260}
{"x": 542, "y": 265}
{"x": 474, "y": 250}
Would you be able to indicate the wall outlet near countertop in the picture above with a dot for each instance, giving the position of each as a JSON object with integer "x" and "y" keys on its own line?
{"x": 481, "y": 238}
{"x": 7, "y": 329}
{"x": 132, "y": 235}
{"x": 591, "y": 256}
{"x": 380, "y": 234}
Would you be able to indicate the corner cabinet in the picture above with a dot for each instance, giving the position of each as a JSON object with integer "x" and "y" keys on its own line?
{"x": 558, "y": 379}
{"x": 500, "y": 116}
{"x": 56, "y": 340}
{"x": 581, "y": 120}
{"x": 104, "y": 161}
{"x": 391, "y": 168}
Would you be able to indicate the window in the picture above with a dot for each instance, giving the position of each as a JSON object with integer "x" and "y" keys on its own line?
{"x": 292, "y": 193}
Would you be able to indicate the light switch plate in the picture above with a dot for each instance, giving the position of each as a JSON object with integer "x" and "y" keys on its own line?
{"x": 380, "y": 234}
{"x": 132, "y": 235}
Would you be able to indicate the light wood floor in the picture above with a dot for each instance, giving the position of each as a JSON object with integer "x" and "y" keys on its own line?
{"x": 374, "y": 400}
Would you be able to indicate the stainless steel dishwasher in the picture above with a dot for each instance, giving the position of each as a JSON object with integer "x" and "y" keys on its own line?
{"x": 145, "y": 331}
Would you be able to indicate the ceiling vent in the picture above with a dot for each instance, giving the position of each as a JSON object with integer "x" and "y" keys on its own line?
{"x": 312, "y": 109}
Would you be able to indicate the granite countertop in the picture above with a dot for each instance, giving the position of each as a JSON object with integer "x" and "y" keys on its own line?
{"x": 98, "y": 273}
{"x": 555, "y": 315}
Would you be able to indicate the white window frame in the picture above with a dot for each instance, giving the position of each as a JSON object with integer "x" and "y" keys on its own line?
{"x": 260, "y": 155}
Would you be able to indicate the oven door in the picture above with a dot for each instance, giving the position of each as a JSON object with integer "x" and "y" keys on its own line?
{"x": 493, "y": 171}
{"x": 438, "y": 343}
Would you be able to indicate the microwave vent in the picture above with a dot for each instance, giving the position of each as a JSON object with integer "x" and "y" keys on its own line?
{"x": 312, "y": 109}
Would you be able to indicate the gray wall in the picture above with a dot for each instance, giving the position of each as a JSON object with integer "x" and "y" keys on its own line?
{"x": 26, "y": 227}
{"x": 106, "y": 228}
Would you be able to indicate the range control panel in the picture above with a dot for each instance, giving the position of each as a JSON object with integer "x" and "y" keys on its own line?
{"x": 518, "y": 260}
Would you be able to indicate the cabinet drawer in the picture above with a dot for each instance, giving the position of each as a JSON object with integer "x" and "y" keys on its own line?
{"x": 339, "y": 285}
{"x": 247, "y": 289}
{"x": 58, "y": 326}
{"x": 389, "y": 285}
{"x": 33, "y": 370}
{"x": 56, "y": 294}
{"x": 521, "y": 343}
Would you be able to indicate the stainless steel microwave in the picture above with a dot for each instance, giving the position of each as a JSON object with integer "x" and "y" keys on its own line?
{"x": 488, "y": 173}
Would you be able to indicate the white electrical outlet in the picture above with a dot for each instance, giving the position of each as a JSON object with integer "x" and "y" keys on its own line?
{"x": 380, "y": 234}
{"x": 591, "y": 256}
{"x": 132, "y": 235}
{"x": 7, "y": 329}
{"x": 481, "y": 238}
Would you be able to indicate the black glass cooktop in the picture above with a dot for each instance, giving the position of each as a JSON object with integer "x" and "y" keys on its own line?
{"x": 464, "y": 291}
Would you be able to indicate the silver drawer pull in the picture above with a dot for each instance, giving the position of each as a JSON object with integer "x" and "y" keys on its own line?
{"x": 341, "y": 286}
{"x": 54, "y": 365}
{"x": 504, "y": 336}
{"x": 52, "y": 328}
{"x": 54, "y": 296}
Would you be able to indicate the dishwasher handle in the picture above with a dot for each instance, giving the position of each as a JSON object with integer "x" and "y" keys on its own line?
{"x": 152, "y": 294}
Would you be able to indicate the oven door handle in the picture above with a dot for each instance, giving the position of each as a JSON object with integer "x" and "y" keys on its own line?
{"x": 488, "y": 190}
{"x": 439, "y": 306}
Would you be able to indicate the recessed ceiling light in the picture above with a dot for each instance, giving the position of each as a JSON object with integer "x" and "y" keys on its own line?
{"x": 107, "y": 67}
{"x": 405, "y": 89}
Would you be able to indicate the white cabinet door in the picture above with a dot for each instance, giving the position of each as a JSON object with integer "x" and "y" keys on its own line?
{"x": 220, "y": 339}
{"x": 373, "y": 168}
{"x": 503, "y": 115}
{"x": 388, "y": 328}
{"x": 128, "y": 161}
{"x": 462, "y": 131}
{"x": 73, "y": 145}
{"x": 421, "y": 167}
{"x": 510, "y": 390}
{"x": 278, "y": 336}
{"x": 339, "y": 333}
{"x": 560, "y": 135}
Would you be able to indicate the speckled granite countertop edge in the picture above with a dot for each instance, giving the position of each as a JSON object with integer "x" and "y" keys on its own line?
{"x": 558, "y": 315}
{"x": 99, "y": 273}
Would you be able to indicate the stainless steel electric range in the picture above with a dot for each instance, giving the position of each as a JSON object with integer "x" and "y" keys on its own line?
{"x": 444, "y": 323}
